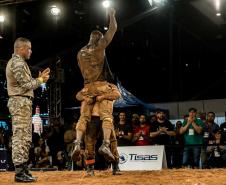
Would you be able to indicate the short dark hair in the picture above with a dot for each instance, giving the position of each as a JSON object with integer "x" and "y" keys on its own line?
{"x": 211, "y": 113}
{"x": 20, "y": 42}
{"x": 217, "y": 130}
{"x": 159, "y": 110}
{"x": 192, "y": 109}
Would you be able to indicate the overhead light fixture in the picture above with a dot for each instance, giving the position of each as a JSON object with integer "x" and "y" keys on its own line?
{"x": 150, "y": 2}
{"x": 218, "y": 14}
{"x": 218, "y": 4}
{"x": 158, "y": 2}
{"x": 2, "y": 18}
{"x": 54, "y": 10}
{"x": 218, "y": 7}
{"x": 106, "y": 4}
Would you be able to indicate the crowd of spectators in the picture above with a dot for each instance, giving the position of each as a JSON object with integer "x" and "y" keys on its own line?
{"x": 196, "y": 142}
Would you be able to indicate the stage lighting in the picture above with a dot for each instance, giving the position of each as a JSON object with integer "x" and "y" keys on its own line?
{"x": 2, "y": 18}
{"x": 150, "y": 2}
{"x": 43, "y": 87}
{"x": 106, "y": 4}
{"x": 158, "y": 2}
{"x": 218, "y": 4}
{"x": 218, "y": 14}
{"x": 54, "y": 10}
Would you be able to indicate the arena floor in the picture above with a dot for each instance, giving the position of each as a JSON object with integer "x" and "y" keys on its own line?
{"x": 169, "y": 177}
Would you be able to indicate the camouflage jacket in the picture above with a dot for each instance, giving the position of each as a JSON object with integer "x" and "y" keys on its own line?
{"x": 19, "y": 79}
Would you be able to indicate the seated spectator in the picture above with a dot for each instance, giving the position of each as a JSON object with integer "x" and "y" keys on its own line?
{"x": 55, "y": 139}
{"x": 69, "y": 137}
{"x": 62, "y": 159}
{"x": 35, "y": 143}
{"x": 41, "y": 155}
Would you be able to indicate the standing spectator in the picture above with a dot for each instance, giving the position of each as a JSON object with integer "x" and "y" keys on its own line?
{"x": 216, "y": 151}
{"x": 192, "y": 129}
{"x": 208, "y": 134}
{"x": 223, "y": 132}
{"x": 161, "y": 131}
{"x": 135, "y": 121}
{"x": 124, "y": 132}
{"x": 202, "y": 116}
{"x": 141, "y": 135}
{"x": 179, "y": 145}
{"x": 153, "y": 118}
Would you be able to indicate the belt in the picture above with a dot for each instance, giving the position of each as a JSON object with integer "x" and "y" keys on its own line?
{"x": 28, "y": 97}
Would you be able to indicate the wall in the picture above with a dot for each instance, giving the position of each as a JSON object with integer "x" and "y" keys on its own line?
{"x": 179, "y": 109}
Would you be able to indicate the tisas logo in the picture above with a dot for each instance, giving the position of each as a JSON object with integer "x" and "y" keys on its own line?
{"x": 123, "y": 158}
{"x": 135, "y": 157}
{"x": 2, "y": 161}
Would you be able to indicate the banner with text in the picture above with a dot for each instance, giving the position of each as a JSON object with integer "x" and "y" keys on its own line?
{"x": 142, "y": 157}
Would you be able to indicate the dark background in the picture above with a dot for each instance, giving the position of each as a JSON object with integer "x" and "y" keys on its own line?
{"x": 173, "y": 52}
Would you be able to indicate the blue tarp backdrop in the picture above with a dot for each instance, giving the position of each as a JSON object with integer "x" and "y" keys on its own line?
{"x": 128, "y": 99}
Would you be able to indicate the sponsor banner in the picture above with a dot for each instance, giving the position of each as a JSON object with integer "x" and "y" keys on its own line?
{"x": 142, "y": 157}
{"x": 3, "y": 159}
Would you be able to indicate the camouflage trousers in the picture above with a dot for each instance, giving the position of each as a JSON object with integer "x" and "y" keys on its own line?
{"x": 94, "y": 133}
{"x": 20, "y": 109}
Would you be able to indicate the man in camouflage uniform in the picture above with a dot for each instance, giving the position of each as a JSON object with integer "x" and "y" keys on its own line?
{"x": 95, "y": 71}
{"x": 20, "y": 86}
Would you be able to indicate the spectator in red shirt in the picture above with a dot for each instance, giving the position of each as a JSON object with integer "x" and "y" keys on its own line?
{"x": 141, "y": 133}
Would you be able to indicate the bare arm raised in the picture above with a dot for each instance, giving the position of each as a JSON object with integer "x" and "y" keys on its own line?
{"x": 108, "y": 36}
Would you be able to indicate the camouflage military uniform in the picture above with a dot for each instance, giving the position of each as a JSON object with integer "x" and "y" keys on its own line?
{"x": 20, "y": 86}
